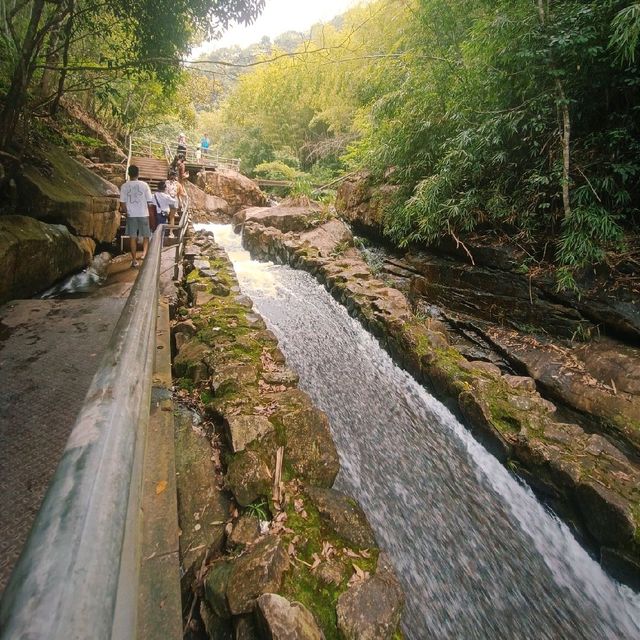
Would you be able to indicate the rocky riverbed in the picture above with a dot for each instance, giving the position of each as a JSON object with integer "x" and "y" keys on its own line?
{"x": 583, "y": 464}
{"x": 266, "y": 543}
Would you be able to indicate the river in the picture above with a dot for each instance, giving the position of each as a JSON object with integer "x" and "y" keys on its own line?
{"x": 478, "y": 555}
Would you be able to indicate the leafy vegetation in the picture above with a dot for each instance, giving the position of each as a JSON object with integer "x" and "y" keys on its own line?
{"x": 516, "y": 115}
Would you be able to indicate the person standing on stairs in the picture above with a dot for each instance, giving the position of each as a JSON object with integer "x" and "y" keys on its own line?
{"x": 135, "y": 198}
{"x": 177, "y": 192}
{"x": 163, "y": 203}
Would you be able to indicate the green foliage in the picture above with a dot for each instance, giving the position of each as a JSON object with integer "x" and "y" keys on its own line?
{"x": 259, "y": 509}
{"x": 472, "y": 122}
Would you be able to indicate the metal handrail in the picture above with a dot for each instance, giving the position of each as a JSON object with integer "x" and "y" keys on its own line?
{"x": 77, "y": 576}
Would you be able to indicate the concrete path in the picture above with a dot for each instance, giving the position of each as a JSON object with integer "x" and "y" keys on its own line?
{"x": 49, "y": 352}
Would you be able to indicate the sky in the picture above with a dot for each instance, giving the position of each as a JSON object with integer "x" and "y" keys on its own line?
{"x": 277, "y": 17}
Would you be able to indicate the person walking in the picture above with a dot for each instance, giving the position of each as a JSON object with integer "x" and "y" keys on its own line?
{"x": 181, "y": 149}
{"x": 135, "y": 198}
{"x": 163, "y": 203}
{"x": 178, "y": 193}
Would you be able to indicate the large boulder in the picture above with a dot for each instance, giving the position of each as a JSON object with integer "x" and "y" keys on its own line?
{"x": 344, "y": 515}
{"x": 60, "y": 190}
{"x": 237, "y": 190}
{"x": 309, "y": 447}
{"x": 205, "y": 204}
{"x": 284, "y": 218}
{"x": 203, "y": 508}
{"x": 362, "y": 204}
{"x": 34, "y": 255}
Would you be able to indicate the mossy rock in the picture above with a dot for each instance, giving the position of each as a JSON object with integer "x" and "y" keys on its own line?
{"x": 248, "y": 477}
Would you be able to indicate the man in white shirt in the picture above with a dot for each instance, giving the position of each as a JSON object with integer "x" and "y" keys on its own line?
{"x": 135, "y": 196}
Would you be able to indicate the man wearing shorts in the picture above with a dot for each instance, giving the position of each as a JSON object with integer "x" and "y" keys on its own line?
{"x": 135, "y": 196}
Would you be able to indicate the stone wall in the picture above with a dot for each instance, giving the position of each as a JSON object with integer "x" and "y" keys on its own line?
{"x": 279, "y": 553}
{"x": 594, "y": 481}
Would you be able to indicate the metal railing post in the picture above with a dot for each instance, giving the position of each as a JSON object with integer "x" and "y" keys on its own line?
{"x": 79, "y": 567}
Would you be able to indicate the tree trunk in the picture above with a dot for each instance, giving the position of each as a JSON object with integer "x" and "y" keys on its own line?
{"x": 566, "y": 149}
{"x": 22, "y": 74}
{"x": 68, "y": 31}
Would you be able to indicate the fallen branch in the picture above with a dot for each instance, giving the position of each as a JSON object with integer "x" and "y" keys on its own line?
{"x": 459, "y": 244}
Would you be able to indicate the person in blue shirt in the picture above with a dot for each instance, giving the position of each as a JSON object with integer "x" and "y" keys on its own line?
{"x": 204, "y": 145}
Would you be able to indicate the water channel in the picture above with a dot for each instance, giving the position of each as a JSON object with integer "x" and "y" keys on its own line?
{"x": 478, "y": 555}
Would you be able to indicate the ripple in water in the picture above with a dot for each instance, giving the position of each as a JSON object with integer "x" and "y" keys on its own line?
{"x": 478, "y": 555}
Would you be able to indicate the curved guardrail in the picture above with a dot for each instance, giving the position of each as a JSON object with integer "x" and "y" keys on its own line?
{"x": 77, "y": 577}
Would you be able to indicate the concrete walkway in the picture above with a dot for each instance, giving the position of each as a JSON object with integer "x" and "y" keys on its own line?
{"x": 49, "y": 352}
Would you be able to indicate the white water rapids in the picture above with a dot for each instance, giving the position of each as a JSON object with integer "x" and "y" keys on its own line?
{"x": 478, "y": 555}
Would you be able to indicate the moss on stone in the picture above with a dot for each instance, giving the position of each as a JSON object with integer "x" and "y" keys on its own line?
{"x": 303, "y": 585}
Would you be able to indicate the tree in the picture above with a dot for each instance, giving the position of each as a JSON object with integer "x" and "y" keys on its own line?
{"x": 155, "y": 35}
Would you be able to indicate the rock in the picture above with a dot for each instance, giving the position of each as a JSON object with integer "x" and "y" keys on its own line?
{"x": 215, "y": 588}
{"x": 237, "y": 190}
{"x": 245, "y": 531}
{"x": 233, "y": 377}
{"x": 248, "y": 477}
{"x": 284, "y": 377}
{"x": 34, "y": 255}
{"x": 259, "y": 570}
{"x": 284, "y": 218}
{"x": 622, "y": 566}
{"x": 520, "y": 382}
{"x": 284, "y": 620}
{"x": 608, "y": 517}
{"x": 330, "y": 237}
{"x": 242, "y": 430}
{"x": 191, "y": 361}
{"x": 309, "y": 447}
{"x": 479, "y": 418}
{"x": 67, "y": 193}
{"x": 488, "y": 367}
{"x": 343, "y": 515}
{"x": 244, "y": 628}
{"x": 362, "y": 205}
{"x": 202, "y": 508}
{"x": 371, "y": 610}
{"x": 330, "y": 572}
{"x": 186, "y": 327}
{"x": 205, "y": 203}
{"x": 216, "y": 628}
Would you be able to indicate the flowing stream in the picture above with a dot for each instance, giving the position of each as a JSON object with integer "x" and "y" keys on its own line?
{"x": 478, "y": 555}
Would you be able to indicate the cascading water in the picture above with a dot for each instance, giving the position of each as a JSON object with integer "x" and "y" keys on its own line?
{"x": 478, "y": 555}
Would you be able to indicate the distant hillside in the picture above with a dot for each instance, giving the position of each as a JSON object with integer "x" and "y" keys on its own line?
{"x": 288, "y": 42}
